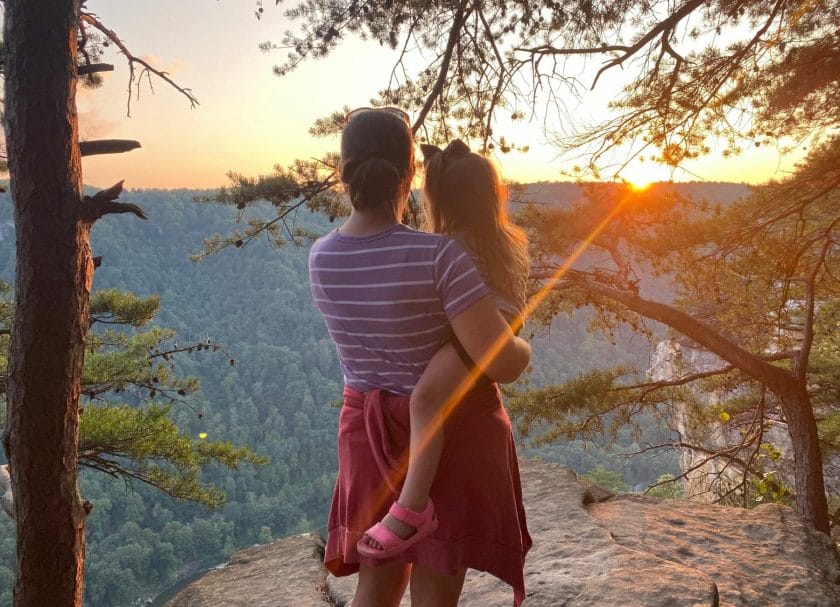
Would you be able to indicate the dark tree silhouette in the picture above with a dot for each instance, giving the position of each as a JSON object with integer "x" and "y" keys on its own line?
{"x": 741, "y": 71}
{"x": 45, "y": 40}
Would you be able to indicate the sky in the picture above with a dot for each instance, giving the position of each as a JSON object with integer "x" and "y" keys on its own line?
{"x": 249, "y": 119}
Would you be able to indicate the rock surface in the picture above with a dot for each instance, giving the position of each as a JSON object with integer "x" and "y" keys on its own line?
{"x": 591, "y": 549}
{"x": 285, "y": 572}
{"x": 7, "y": 499}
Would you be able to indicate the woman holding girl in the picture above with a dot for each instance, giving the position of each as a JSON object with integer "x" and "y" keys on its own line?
{"x": 392, "y": 298}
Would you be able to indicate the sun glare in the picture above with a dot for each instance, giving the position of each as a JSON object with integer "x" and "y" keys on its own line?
{"x": 639, "y": 186}
{"x": 639, "y": 176}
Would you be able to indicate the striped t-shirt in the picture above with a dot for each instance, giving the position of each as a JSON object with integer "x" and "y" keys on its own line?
{"x": 387, "y": 300}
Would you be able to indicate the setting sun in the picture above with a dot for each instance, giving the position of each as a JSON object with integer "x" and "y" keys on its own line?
{"x": 639, "y": 186}
{"x": 639, "y": 175}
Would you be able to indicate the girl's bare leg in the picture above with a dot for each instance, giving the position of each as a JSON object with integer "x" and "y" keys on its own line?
{"x": 432, "y": 589}
{"x": 381, "y": 586}
{"x": 438, "y": 382}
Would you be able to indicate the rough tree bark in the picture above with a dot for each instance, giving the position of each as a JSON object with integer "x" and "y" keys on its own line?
{"x": 53, "y": 276}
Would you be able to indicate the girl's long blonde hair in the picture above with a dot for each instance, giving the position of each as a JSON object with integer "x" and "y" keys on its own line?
{"x": 467, "y": 199}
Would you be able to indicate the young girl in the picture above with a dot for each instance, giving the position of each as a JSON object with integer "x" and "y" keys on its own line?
{"x": 466, "y": 199}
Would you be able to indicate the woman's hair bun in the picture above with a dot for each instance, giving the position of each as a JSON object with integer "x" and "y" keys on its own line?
{"x": 373, "y": 181}
{"x": 377, "y": 156}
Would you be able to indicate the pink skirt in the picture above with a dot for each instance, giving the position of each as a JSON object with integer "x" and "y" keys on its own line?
{"x": 477, "y": 491}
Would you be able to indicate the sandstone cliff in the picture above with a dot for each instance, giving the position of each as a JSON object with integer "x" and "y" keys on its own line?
{"x": 705, "y": 478}
{"x": 590, "y": 549}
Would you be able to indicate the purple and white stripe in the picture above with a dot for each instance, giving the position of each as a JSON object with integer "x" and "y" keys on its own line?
{"x": 387, "y": 300}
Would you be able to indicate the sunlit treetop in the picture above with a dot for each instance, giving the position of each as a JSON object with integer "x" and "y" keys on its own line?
{"x": 732, "y": 72}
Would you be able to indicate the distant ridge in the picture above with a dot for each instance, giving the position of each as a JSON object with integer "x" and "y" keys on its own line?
{"x": 564, "y": 193}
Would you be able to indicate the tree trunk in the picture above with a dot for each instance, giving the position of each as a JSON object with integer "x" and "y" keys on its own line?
{"x": 52, "y": 287}
{"x": 808, "y": 467}
{"x": 802, "y": 427}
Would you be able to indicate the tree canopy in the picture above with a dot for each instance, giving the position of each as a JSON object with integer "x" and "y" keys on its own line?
{"x": 740, "y": 72}
{"x": 756, "y": 285}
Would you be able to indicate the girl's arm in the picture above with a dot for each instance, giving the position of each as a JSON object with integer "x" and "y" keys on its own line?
{"x": 489, "y": 341}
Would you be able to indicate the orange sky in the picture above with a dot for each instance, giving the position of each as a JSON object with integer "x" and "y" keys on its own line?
{"x": 249, "y": 119}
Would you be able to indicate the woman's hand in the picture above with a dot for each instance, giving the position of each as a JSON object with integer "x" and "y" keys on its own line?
{"x": 489, "y": 341}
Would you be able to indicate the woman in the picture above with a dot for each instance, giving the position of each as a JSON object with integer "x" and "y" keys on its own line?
{"x": 391, "y": 297}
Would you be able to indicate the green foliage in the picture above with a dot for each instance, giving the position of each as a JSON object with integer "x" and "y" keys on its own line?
{"x": 256, "y": 302}
{"x": 594, "y": 404}
{"x": 834, "y": 509}
{"x": 829, "y": 428}
{"x": 667, "y": 487}
{"x": 306, "y": 184}
{"x": 135, "y": 442}
{"x": 145, "y": 445}
{"x": 565, "y": 406}
{"x": 765, "y": 488}
{"x": 117, "y": 307}
{"x": 117, "y": 360}
{"x": 7, "y": 559}
{"x": 825, "y": 359}
{"x": 265, "y": 535}
{"x": 608, "y": 479}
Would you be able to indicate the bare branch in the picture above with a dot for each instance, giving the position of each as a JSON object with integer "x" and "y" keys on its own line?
{"x": 547, "y": 49}
{"x": 93, "y": 68}
{"x": 663, "y": 27}
{"x": 454, "y": 34}
{"x": 800, "y": 363}
{"x": 104, "y": 202}
{"x": 133, "y": 59}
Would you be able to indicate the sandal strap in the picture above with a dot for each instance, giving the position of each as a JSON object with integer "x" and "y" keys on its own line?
{"x": 383, "y": 535}
{"x": 411, "y": 517}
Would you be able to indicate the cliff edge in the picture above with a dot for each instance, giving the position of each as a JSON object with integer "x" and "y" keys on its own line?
{"x": 591, "y": 549}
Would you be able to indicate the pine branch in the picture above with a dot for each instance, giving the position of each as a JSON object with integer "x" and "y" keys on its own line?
{"x": 687, "y": 379}
{"x": 696, "y": 330}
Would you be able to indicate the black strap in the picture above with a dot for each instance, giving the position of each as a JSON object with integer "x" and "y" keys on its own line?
{"x": 469, "y": 363}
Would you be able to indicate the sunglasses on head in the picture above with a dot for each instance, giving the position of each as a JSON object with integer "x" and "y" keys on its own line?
{"x": 395, "y": 111}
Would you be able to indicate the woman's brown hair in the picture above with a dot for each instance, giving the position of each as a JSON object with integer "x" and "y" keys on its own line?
{"x": 467, "y": 199}
{"x": 377, "y": 160}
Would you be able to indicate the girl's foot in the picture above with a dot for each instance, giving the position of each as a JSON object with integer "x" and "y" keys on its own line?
{"x": 398, "y": 530}
{"x": 401, "y": 530}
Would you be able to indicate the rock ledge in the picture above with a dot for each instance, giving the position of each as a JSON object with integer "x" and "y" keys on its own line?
{"x": 591, "y": 549}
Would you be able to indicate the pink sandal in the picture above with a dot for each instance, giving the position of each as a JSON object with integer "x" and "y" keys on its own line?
{"x": 424, "y": 523}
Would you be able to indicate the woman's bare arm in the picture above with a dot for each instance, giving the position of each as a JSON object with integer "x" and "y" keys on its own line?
{"x": 489, "y": 341}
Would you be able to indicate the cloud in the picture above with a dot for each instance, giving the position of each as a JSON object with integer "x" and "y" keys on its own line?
{"x": 93, "y": 126}
{"x": 171, "y": 67}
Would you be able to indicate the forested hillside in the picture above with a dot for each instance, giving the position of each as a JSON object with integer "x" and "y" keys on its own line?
{"x": 276, "y": 396}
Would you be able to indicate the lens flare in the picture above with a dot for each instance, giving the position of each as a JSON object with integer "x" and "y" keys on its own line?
{"x": 385, "y": 494}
